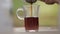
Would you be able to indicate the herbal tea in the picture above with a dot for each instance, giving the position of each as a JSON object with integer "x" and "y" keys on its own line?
{"x": 31, "y": 23}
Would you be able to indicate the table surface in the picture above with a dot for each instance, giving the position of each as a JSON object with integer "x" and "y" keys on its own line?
{"x": 42, "y": 30}
{"x": 22, "y": 29}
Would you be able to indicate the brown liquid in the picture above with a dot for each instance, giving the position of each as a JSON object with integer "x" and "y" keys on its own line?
{"x": 31, "y": 23}
{"x": 31, "y": 10}
{"x": 31, "y": 1}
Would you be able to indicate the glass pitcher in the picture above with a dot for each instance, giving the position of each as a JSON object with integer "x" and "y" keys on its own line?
{"x": 30, "y": 17}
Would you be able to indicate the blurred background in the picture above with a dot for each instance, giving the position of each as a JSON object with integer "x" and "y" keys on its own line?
{"x": 48, "y": 14}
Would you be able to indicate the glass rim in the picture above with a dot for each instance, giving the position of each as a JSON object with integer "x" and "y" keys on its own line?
{"x": 30, "y": 5}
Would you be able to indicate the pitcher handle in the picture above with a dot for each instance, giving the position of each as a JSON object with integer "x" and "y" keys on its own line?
{"x": 19, "y": 10}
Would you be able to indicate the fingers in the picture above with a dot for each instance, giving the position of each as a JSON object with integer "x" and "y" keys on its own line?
{"x": 57, "y": 1}
{"x": 50, "y": 1}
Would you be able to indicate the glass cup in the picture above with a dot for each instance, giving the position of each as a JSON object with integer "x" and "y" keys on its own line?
{"x": 30, "y": 17}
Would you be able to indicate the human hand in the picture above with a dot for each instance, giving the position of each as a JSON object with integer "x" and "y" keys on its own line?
{"x": 51, "y": 1}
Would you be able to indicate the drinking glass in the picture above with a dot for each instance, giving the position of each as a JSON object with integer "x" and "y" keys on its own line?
{"x": 30, "y": 17}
